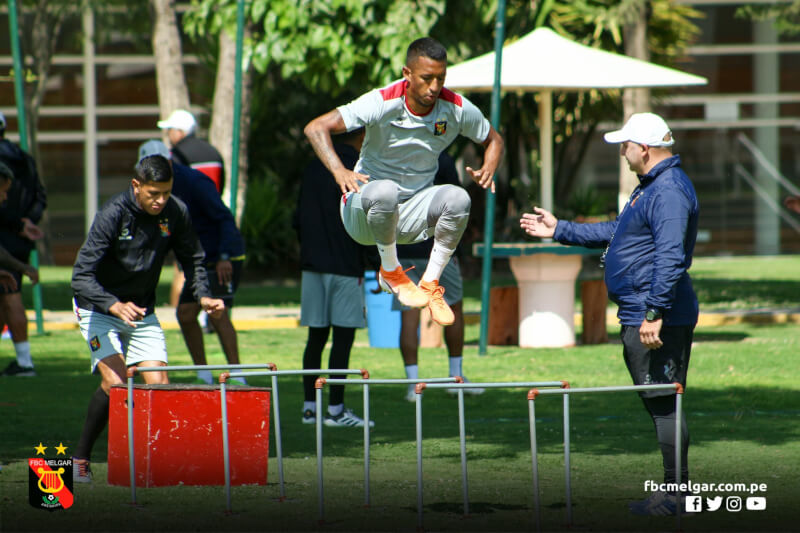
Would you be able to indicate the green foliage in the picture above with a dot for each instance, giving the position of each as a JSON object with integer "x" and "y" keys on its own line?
{"x": 587, "y": 201}
{"x": 325, "y": 44}
{"x": 786, "y": 16}
{"x": 600, "y": 23}
{"x": 266, "y": 224}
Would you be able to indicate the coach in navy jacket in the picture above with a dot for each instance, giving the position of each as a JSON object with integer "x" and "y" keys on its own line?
{"x": 648, "y": 254}
{"x": 211, "y": 219}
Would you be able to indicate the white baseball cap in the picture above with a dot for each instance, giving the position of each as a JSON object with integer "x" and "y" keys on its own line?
{"x": 643, "y": 128}
{"x": 180, "y": 119}
{"x": 153, "y": 147}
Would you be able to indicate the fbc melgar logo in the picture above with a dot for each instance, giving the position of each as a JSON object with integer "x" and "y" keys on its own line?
{"x": 50, "y": 479}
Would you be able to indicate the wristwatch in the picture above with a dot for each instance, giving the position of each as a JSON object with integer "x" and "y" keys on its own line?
{"x": 652, "y": 314}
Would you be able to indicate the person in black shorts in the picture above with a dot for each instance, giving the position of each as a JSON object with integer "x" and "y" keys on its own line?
{"x": 19, "y": 219}
{"x": 648, "y": 252}
{"x": 416, "y": 256}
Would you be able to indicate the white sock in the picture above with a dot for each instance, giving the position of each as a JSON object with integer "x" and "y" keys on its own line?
{"x": 388, "y": 253}
{"x": 310, "y": 406}
{"x": 440, "y": 256}
{"x": 23, "y": 350}
{"x": 335, "y": 410}
{"x": 206, "y": 376}
{"x": 412, "y": 371}
{"x": 455, "y": 366}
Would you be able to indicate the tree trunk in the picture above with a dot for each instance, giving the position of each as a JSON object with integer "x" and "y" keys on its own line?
{"x": 634, "y": 100}
{"x": 221, "y": 133}
{"x": 172, "y": 90}
{"x": 48, "y": 20}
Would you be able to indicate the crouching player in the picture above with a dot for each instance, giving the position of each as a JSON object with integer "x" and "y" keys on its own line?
{"x": 114, "y": 285}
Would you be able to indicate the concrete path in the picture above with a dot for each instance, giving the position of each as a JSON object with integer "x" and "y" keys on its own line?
{"x": 253, "y": 317}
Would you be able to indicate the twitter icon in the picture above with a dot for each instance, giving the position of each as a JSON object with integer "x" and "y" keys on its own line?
{"x": 712, "y": 504}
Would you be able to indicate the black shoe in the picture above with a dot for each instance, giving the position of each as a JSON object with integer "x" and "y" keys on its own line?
{"x": 13, "y": 369}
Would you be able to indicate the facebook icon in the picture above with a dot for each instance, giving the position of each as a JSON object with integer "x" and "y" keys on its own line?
{"x": 694, "y": 504}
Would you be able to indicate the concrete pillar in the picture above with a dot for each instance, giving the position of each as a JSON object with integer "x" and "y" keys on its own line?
{"x": 89, "y": 119}
{"x": 766, "y": 81}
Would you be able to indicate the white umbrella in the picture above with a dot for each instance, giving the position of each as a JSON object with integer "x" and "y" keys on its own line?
{"x": 545, "y": 61}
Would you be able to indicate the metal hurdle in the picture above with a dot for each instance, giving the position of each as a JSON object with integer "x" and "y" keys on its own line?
{"x": 366, "y": 387}
{"x": 223, "y": 378}
{"x": 461, "y": 429}
{"x": 132, "y": 372}
{"x": 533, "y": 393}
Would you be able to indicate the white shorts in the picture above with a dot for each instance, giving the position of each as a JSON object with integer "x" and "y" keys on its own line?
{"x": 412, "y": 223}
{"x": 108, "y": 335}
{"x": 331, "y": 300}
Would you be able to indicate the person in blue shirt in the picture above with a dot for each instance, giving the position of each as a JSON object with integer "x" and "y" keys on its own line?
{"x": 224, "y": 247}
{"x": 648, "y": 252}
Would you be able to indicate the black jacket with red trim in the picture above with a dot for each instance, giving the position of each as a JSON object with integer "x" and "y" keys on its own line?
{"x": 125, "y": 249}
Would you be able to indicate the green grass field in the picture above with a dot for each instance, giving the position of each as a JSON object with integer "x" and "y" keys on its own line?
{"x": 742, "y": 400}
{"x": 720, "y": 282}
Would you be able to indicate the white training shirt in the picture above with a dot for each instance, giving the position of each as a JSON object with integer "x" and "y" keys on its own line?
{"x": 402, "y": 146}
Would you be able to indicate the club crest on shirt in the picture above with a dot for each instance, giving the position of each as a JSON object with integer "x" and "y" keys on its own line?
{"x": 440, "y": 127}
{"x": 163, "y": 225}
{"x": 125, "y": 235}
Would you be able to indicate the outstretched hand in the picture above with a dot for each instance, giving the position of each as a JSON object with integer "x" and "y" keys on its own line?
{"x": 540, "y": 223}
{"x": 348, "y": 180}
{"x": 482, "y": 177}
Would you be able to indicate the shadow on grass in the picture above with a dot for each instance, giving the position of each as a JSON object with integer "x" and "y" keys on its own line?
{"x": 758, "y": 292}
{"x": 720, "y": 336}
{"x": 474, "y": 507}
{"x": 496, "y": 422}
{"x": 699, "y": 336}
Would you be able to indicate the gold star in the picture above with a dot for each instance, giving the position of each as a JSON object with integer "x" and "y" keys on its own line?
{"x": 61, "y": 449}
{"x": 40, "y": 448}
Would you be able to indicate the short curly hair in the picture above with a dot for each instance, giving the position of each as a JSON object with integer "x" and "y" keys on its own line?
{"x": 426, "y": 47}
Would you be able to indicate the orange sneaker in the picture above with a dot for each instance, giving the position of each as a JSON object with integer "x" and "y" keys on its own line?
{"x": 398, "y": 283}
{"x": 440, "y": 311}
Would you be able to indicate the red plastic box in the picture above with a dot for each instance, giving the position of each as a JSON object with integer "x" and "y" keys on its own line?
{"x": 178, "y": 435}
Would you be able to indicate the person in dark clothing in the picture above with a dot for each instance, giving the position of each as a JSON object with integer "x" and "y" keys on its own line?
{"x": 224, "y": 247}
{"x": 416, "y": 256}
{"x": 648, "y": 252}
{"x": 22, "y": 211}
{"x": 114, "y": 286}
{"x": 10, "y": 265}
{"x": 332, "y": 293}
{"x": 190, "y": 150}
